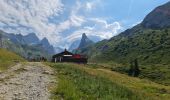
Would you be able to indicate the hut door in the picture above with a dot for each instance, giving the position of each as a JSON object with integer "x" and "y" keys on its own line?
{"x": 55, "y": 60}
{"x": 60, "y": 59}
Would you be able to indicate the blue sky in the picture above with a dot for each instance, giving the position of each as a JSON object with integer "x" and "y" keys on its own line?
{"x": 64, "y": 21}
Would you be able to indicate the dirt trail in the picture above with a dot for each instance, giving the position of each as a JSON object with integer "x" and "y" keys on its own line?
{"x": 28, "y": 81}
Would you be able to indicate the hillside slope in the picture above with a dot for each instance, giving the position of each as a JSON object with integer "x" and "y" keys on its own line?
{"x": 148, "y": 41}
{"x": 149, "y": 46}
{"x": 8, "y": 58}
{"x": 158, "y": 18}
{"x": 76, "y": 81}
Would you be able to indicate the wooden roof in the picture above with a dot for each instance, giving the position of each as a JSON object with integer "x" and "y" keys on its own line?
{"x": 65, "y": 52}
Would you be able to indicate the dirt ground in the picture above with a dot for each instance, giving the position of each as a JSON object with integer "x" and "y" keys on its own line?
{"x": 26, "y": 81}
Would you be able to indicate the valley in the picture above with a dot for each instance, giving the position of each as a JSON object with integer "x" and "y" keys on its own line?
{"x": 55, "y": 54}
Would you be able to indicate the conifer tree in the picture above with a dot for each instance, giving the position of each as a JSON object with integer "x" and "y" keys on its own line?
{"x": 134, "y": 68}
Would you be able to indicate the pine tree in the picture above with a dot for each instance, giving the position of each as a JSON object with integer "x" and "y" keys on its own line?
{"x": 131, "y": 69}
{"x": 134, "y": 68}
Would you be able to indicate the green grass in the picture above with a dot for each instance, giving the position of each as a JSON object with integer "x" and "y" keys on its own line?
{"x": 82, "y": 82}
{"x": 75, "y": 84}
{"x": 8, "y": 58}
{"x": 159, "y": 73}
{"x": 148, "y": 45}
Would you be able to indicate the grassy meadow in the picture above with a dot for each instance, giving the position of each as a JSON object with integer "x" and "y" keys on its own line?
{"x": 8, "y": 58}
{"x": 90, "y": 82}
{"x": 159, "y": 73}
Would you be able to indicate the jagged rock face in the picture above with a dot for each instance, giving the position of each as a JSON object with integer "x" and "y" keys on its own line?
{"x": 49, "y": 48}
{"x": 14, "y": 38}
{"x": 31, "y": 39}
{"x": 85, "y": 41}
{"x": 24, "y": 45}
{"x": 158, "y": 18}
{"x": 45, "y": 42}
{"x": 75, "y": 44}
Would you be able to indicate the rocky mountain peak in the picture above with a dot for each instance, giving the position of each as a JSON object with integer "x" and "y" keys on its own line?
{"x": 49, "y": 48}
{"x": 45, "y": 41}
{"x": 158, "y": 18}
{"x": 85, "y": 41}
{"x": 31, "y": 39}
{"x": 84, "y": 36}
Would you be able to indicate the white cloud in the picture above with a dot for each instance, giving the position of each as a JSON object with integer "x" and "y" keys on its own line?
{"x": 90, "y": 5}
{"x": 33, "y": 14}
{"x": 26, "y": 16}
{"x": 74, "y": 20}
{"x": 77, "y": 20}
{"x": 101, "y": 29}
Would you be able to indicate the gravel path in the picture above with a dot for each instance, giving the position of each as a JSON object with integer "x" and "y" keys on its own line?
{"x": 28, "y": 81}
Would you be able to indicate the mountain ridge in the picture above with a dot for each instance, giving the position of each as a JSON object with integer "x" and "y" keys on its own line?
{"x": 158, "y": 18}
{"x": 31, "y": 38}
{"x": 24, "y": 48}
{"x": 147, "y": 43}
